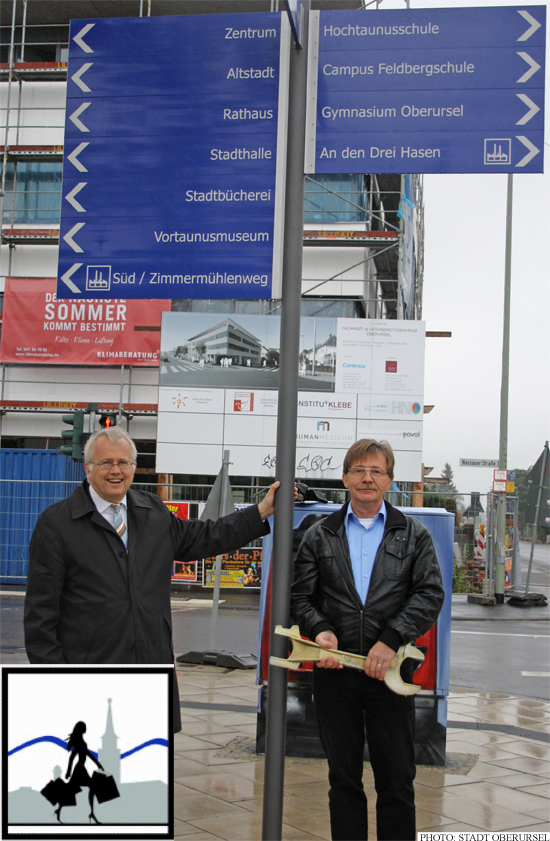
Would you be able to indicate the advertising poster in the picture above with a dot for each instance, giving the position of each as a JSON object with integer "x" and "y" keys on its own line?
{"x": 179, "y": 509}
{"x": 219, "y": 378}
{"x": 241, "y": 570}
{"x": 180, "y": 571}
{"x": 37, "y": 327}
{"x": 185, "y": 572}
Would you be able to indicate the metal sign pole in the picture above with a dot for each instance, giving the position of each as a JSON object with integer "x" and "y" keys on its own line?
{"x": 286, "y": 437}
{"x": 503, "y": 442}
{"x": 218, "y": 567}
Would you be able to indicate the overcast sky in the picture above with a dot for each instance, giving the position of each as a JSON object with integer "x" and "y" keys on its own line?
{"x": 465, "y": 218}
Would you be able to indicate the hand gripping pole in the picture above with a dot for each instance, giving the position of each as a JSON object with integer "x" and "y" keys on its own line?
{"x": 305, "y": 651}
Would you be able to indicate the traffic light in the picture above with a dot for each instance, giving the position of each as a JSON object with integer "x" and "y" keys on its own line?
{"x": 107, "y": 420}
{"x": 74, "y": 435}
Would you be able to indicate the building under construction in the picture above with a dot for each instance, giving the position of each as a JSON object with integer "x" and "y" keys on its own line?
{"x": 354, "y": 236}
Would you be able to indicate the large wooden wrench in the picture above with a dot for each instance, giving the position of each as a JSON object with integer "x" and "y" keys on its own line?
{"x": 305, "y": 651}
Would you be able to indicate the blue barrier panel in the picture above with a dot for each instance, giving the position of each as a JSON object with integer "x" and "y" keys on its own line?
{"x": 30, "y": 481}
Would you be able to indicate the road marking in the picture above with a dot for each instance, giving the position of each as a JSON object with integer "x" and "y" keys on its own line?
{"x": 174, "y": 370}
{"x": 494, "y": 634}
{"x": 535, "y": 674}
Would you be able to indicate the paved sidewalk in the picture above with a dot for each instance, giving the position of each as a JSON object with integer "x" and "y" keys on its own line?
{"x": 498, "y": 750}
{"x": 498, "y": 779}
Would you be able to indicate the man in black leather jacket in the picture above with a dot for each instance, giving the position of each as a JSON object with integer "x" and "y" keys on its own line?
{"x": 366, "y": 580}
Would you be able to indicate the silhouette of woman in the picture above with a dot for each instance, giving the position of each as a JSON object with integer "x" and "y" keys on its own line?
{"x": 80, "y": 777}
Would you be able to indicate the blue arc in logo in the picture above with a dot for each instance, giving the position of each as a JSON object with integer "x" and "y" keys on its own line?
{"x": 62, "y": 744}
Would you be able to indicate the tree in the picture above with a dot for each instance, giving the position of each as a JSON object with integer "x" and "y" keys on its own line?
{"x": 435, "y": 500}
{"x": 272, "y": 356}
{"x": 447, "y": 473}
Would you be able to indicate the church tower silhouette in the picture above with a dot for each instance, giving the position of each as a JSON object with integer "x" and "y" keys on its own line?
{"x": 109, "y": 754}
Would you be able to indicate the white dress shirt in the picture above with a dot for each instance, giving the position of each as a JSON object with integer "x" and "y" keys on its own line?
{"x": 105, "y": 509}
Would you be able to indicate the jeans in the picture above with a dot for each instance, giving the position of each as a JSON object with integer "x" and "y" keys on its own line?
{"x": 347, "y": 703}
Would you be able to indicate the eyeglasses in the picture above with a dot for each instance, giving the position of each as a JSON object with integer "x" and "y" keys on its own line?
{"x": 108, "y": 465}
{"x": 360, "y": 472}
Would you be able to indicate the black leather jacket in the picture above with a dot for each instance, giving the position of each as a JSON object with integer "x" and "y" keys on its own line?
{"x": 405, "y": 593}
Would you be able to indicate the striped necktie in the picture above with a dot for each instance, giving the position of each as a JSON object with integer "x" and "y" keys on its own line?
{"x": 120, "y": 528}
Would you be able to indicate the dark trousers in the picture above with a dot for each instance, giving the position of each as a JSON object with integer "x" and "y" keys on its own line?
{"x": 347, "y": 703}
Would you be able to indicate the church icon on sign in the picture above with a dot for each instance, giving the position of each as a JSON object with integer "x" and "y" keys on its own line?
{"x": 498, "y": 150}
{"x": 98, "y": 278}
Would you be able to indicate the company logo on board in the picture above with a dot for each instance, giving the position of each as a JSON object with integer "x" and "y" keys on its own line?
{"x": 243, "y": 401}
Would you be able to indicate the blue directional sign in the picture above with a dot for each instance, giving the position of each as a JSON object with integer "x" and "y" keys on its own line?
{"x": 170, "y": 177}
{"x": 295, "y": 12}
{"x": 427, "y": 90}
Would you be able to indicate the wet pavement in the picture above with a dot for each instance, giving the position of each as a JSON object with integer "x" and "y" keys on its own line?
{"x": 496, "y": 781}
{"x": 498, "y": 754}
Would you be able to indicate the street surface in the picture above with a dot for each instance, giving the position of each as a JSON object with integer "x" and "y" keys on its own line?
{"x": 182, "y": 372}
{"x": 511, "y": 657}
{"x": 540, "y": 571}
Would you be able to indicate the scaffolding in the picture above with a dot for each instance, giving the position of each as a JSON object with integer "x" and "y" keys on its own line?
{"x": 342, "y": 212}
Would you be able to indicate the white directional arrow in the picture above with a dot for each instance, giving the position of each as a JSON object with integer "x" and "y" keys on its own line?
{"x": 71, "y": 197}
{"x": 84, "y": 31}
{"x": 77, "y": 78}
{"x": 533, "y": 67}
{"x": 66, "y": 278}
{"x": 533, "y": 109}
{"x": 69, "y": 237}
{"x": 73, "y": 157}
{"x": 74, "y": 117}
{"x": 533, "y": 26}
{"x": 532, "y": 151}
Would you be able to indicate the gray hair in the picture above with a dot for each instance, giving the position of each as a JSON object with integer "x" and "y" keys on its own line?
{"x": 115, "y": 435}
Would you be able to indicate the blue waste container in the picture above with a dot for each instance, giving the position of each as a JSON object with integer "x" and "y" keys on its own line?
{"x": 432, "y": 676}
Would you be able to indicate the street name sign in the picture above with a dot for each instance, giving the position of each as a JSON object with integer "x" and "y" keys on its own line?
{"x": 427, "y": 90}
{"x": 478, "y": 462}
{"x": 173, "y": 178}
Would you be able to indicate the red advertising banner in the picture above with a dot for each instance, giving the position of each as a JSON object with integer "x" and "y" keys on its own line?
{"x": 180, "y": 509}
{"x": 38, "y": 328}
{"x": 182, "y": 571}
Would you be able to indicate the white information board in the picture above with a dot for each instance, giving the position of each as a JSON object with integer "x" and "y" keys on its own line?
{"x": 359, "y": 378}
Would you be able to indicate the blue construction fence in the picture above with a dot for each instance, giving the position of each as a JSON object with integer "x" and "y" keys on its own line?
{"x": 30, "y": 480}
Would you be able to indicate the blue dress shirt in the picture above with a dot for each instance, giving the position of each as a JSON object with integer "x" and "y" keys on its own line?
{"x": 363, "y": 545}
